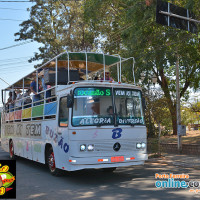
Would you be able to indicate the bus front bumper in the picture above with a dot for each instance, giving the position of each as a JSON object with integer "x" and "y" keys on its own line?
{"x": 106, "y": 161}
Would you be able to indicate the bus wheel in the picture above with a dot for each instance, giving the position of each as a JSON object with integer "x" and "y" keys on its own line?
{"x": 11, "y": 150}
{"x": 51, "y": 163}
{"x": 109, "y": 170}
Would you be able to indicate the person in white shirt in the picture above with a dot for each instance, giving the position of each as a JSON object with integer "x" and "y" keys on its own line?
{"x": 18, "y": 101}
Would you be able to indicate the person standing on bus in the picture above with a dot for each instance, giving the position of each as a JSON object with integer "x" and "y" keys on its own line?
{"x": 11, "y": 100}
{"x": 18, "y": 101}
{"x": 28, "y": 99}
{"x": 44, "y": 86}
{"x": 33, "y": 87}
{"x": 107, "y": 77}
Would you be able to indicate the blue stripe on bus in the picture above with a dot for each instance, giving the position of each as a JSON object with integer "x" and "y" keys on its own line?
{"x": 50, "y": 108}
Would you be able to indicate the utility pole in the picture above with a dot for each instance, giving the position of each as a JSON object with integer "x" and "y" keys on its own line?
{"x": 178, "y": 109}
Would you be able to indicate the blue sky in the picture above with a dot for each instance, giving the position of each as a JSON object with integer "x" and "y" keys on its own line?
{"x": 14, "y": 61}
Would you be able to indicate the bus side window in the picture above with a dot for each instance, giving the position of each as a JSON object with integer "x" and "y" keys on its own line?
{"x": 63, "y": 112}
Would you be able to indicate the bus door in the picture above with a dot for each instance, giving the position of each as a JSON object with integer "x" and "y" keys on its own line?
{"x": 63, "y": 137}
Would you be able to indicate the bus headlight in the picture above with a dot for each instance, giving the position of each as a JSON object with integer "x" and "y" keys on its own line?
{"x": 138, "y": 145}
{"x": 143, "y": 145}
{"x": 83, "y": 147}
{"x": 90, "y": 147}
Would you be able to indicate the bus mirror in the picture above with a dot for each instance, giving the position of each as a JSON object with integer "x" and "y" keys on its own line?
{"x": 143, "y": 103}
{"x": 69, "y": 101}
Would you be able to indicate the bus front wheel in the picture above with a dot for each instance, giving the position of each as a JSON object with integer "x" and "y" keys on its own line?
{"x": 51, "y": 163}
{"x": 11, "y": 150}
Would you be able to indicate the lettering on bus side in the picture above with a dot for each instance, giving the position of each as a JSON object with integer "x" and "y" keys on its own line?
{"x": 33, "y": 129}
{"x": 63, "y": 145}
{"x": 9, "y": 130}
{"x": 19, "y": 129}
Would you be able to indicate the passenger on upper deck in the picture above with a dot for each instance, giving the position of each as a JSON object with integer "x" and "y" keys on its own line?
{"x": 10, "y": 101}
{"x": 18, "y": 101}
{"x": 107, "y": 77}
{"x": 33, "y": 87}
{"x": 44, "y": 86}
{"x": 81, "y": 74}
{"x": 27, "y": 100}
{"x": 97, "y": 78}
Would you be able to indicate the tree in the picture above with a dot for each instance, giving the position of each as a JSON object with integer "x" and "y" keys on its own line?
{"x": 157, "y": 111}
{"x": 58, "y": 25}
{"x": 156, "y": 48}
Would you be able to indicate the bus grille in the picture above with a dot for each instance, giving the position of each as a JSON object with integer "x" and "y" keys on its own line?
{"x": 108, "y": 147}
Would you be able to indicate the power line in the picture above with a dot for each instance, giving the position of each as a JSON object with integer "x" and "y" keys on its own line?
{"x": 15, "y": 1}
{"x": 17, "y": 20}
{"x": 16, "y": 71}
{"x": 15, "y": 45}
{"x": 13, "y": 63}
{"x": 12, "y": 9}
{"x": 15, "y": 67}
{"x": 4, "y": 81}
{"x": 25, "y": 67}
{"x": 11, "y": 59}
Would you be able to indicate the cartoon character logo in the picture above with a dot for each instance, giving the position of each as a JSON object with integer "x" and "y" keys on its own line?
{"x": 6, "y": 179}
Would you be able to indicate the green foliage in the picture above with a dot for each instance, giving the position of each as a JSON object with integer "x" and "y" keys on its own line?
{"x": 58, "y": 26}
{"x": 157, "y": 112}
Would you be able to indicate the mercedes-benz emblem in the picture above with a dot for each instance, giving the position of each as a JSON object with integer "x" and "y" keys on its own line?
{"x": 116, "y": 146}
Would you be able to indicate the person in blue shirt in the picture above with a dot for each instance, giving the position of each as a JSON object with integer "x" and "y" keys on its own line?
{"x": 36, "y": 97}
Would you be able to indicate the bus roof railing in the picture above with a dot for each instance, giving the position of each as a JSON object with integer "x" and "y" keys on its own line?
{"x": 88, "y": 62}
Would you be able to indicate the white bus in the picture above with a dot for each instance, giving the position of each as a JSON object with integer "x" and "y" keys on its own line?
{"x": 74, "y": 119}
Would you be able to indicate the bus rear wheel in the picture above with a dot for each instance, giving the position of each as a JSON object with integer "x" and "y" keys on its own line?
{"x": 109, "y": 170}
{"x": 11, "y": 150}
{"x": 51, "y": 163}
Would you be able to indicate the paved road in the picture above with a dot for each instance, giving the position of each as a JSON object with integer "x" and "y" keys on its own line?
{"x": 137, "y": 182}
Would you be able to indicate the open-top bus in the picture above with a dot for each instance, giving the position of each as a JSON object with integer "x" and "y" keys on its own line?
{"x": 83, "y": 123}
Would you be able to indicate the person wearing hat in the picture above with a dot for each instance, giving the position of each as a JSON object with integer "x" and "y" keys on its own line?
{"x": 18, "y": 100}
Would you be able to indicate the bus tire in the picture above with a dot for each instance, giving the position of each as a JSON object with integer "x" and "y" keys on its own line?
{"x": 51, "y": 163}
{"x": 11, "y": 150}
{"x": 109, "y": 170}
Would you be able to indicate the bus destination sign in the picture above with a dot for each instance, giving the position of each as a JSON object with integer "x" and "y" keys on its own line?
{"x": 92, "y": 92}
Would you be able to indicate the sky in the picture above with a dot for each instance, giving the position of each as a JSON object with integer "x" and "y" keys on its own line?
{"x": 14, "y": 61}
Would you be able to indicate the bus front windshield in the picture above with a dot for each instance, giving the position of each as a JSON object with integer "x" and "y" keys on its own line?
{"x": 91, "y": 107}
{"x": 95, "y": 107}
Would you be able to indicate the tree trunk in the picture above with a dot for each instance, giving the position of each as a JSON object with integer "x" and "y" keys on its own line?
{"x": 174, "y": 121}
{"x": 172, "y": 107}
